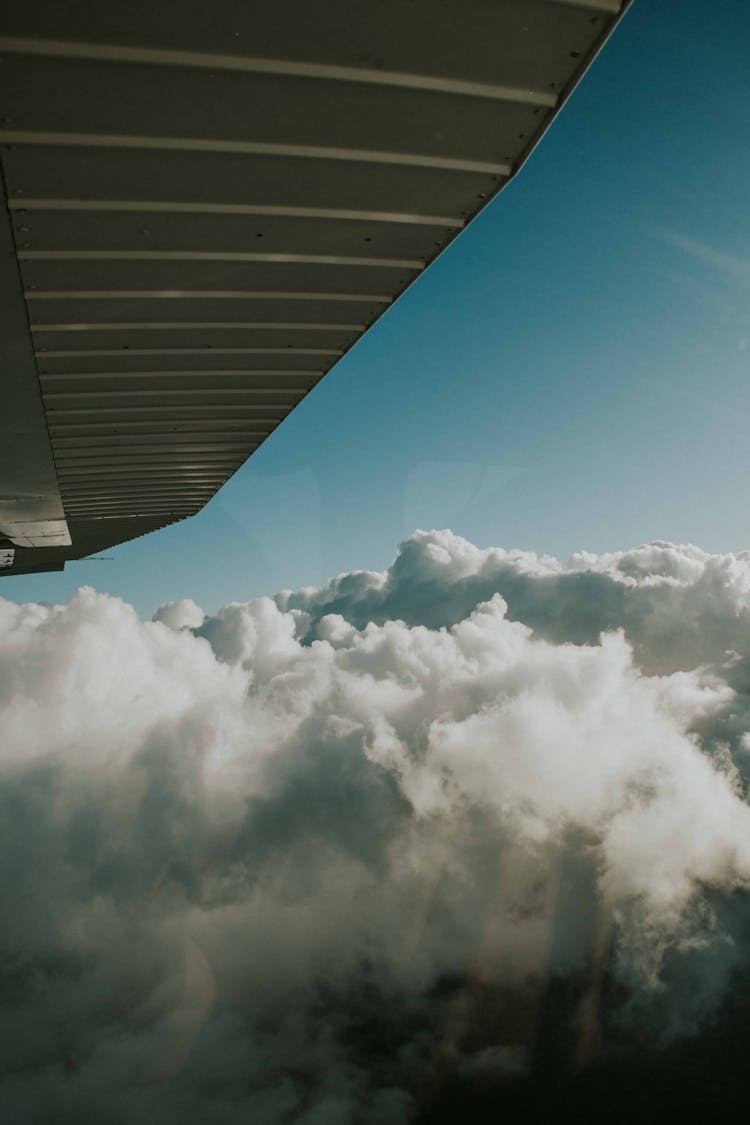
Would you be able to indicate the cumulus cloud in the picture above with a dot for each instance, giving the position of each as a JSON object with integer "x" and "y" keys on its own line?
{"x": 183, "y": 614}
{"x": 318, "y": 856}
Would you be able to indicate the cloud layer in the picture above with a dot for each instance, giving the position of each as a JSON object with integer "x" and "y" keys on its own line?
{"x": 313, "y": 858}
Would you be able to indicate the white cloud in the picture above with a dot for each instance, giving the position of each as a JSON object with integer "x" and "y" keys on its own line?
{"x": 184, "y": 614}
{"x": 227, "y": 837}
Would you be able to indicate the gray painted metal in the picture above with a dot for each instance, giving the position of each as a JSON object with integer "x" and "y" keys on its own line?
{"x": 206, "y": 206}
{"x": 31, "y": 507}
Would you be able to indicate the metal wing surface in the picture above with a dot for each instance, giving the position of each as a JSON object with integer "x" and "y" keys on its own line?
{"x": 206, "y": 205}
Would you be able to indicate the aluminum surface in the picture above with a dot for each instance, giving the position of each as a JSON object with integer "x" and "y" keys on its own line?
{"x": 206, "y": 206}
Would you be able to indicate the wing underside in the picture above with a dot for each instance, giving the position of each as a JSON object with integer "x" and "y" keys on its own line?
{"x": 206, "y": 206}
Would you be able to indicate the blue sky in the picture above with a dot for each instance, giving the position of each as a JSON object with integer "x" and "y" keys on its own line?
{"x": 570, "y": 374}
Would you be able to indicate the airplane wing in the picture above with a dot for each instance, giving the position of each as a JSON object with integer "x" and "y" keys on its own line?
{"x": 206, "y": 205}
